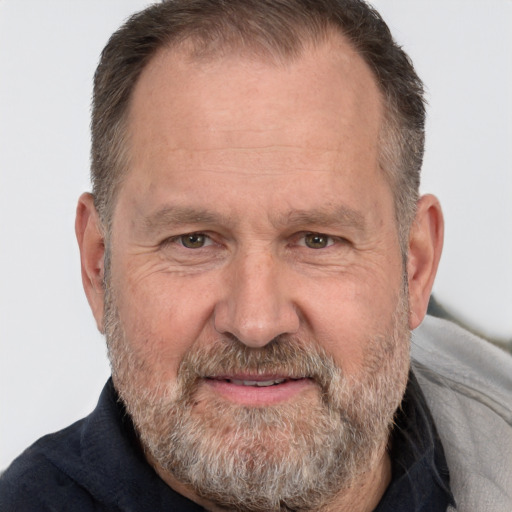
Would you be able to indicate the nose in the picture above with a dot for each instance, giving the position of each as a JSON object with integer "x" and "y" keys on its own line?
{"x": 257, "y": 306}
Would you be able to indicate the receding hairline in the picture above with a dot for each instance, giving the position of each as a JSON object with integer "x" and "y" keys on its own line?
{"x": 226, "y": 36}
{"x": 191, "y": 51}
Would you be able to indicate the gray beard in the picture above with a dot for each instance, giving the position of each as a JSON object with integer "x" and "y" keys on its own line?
{"x": 294, "y": 456}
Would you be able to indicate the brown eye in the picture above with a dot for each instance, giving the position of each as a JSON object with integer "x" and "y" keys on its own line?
{"x": 316, "y": 240}
{"x": 193, "y": 240}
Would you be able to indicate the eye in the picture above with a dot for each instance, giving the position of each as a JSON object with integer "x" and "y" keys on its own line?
{"x": 194, "y": 240}
{"x": 317, "y": 240}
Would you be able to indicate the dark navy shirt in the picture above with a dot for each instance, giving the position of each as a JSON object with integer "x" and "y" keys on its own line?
{"x": 96, "y": 465}
{"x": 420, "y": 480}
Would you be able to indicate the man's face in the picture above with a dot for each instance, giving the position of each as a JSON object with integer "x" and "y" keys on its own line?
{"x": 256, "y": 280}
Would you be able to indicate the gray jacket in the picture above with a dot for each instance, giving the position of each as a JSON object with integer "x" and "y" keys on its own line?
{"x": 468, "y": 386}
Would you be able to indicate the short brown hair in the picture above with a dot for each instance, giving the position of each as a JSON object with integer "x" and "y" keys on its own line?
{"x": 280, "y": 28}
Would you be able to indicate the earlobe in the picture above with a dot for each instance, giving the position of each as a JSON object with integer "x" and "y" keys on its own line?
{"x": 91, "y": 242}
{"x": 425, "y": 247}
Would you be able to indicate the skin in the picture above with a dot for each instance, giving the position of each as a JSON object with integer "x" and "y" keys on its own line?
{"x": 255, "y": 155}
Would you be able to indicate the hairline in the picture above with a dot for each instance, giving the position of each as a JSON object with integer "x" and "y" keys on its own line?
{"x": 197, "y": 49}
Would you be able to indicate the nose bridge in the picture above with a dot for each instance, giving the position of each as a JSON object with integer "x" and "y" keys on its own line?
{"x": 258, "y": 305}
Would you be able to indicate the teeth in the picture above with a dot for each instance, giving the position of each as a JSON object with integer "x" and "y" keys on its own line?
{"x": 257, "y": 383}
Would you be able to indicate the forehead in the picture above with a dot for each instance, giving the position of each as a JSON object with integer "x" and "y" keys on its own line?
{"x": 195, "y": 120}
{"x": 178, "y": 96}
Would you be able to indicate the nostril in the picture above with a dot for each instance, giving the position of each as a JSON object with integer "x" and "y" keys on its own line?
{"x": 256, "y": 307}
{"x": 256, "y": 333}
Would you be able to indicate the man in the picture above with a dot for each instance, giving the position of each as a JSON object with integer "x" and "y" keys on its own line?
{"x": 256, "y": 253}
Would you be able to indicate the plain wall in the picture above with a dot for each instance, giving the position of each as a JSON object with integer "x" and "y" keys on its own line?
{"x": 52, "y": 360}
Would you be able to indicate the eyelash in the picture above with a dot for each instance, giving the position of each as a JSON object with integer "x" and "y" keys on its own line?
{"x": 178, "y": 239}
{"x": 300, "y": 240}
{"x": 316, "y": 238}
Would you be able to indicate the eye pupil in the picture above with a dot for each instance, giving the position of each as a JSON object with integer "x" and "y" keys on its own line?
{"x": 316, "y": 241}
{"x": 193, "y": 241}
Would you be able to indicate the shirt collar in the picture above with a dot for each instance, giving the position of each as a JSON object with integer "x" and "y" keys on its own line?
{"x": 420, "y": 479}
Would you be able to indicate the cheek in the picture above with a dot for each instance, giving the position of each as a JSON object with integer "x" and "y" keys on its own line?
{"x": 346, "y": 315}
{"x": 162, "y": 318}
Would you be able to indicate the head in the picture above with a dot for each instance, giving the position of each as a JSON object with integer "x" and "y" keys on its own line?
{"x": 249, "y": 248}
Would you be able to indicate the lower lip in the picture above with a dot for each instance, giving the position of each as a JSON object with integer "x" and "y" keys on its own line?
{"x": 259, "y": 396}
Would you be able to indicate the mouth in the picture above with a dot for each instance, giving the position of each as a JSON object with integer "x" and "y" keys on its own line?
{"x": 257, "y": 390}
{"x": 256, "y": 381}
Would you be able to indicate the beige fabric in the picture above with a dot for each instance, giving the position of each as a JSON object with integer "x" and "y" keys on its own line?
{"x": 468, "y": 386}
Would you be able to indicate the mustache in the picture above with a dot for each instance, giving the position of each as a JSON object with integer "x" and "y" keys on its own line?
{"x": 285, "y": 356}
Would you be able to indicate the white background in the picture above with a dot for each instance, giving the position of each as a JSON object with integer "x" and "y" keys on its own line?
{"x": 52, "y": 360}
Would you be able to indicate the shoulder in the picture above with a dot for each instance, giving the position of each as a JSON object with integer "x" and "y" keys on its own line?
{"x": 467, "y": 383}
{"x": 95, "y": 464}
{"x": 469, "y": 364}
{"x": 34, "y": 482}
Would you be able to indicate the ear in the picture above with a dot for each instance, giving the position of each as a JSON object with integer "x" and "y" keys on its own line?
{"x": 91, "y": 242}
{"x": 425, "y": 247}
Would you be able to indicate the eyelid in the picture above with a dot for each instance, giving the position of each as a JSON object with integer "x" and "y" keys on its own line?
{"x": 176, "y": 239}
{"x": 300, "y": 238}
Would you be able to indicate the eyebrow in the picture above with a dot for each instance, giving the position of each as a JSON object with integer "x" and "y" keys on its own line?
{"x": 180, "y": 215}
{"x": 340, "y": 216}
{"x": 325, "y": 217}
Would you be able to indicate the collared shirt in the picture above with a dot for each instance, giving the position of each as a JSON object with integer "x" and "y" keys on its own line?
{"x": 420, "y": 480}
{"x": 96, "y": 464}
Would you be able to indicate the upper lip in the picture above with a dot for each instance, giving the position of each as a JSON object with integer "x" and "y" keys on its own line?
{"x": 253, "y": 377}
